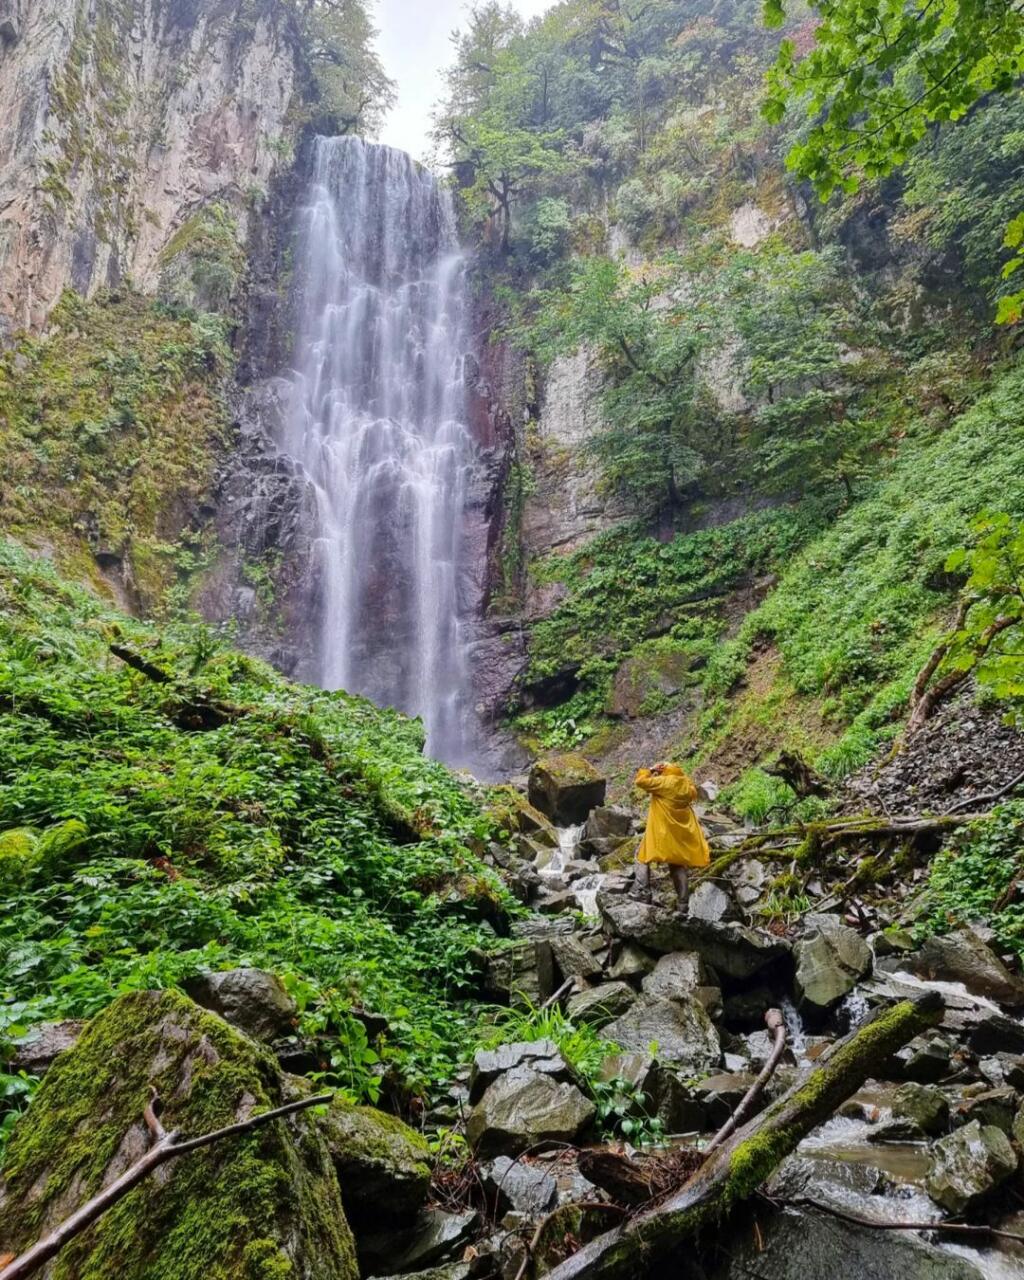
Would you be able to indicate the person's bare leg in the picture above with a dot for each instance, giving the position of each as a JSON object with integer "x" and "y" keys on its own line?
{"x": 643, "y": 881}
{"x": 681, "y": 883}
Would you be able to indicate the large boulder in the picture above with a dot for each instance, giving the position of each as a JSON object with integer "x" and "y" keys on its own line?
{"x": 681, "y": 1030}
{"x": 566, "y": 788}
{"x": 383, "y": 1166}
{"x": 969, "y": 1164}
{"x": 731, "y": 949}
{"x": 36, "y": 1052}
{"x": 542, "y": 1056}
{"x": 512, "y": 811}
{"x": 831, "y": 958}
{"x": 434, "y": 1236}
{"x": 252, "y": 1000}
{"x": 524, "y": 1108}
{"x": 263, "y": 1204}
{"x": 965, "y": 957}
{"x": 521, "y": 973}
{"x": 597, "y": 1006}
{"x": 710, "y": 901}
{"x": 574, "y": 958}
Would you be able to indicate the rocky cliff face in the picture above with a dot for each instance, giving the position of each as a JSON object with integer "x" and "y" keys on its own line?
{"x": 131, "y": 130}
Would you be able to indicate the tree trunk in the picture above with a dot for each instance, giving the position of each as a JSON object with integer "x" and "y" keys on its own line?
{"x": 738, "y": 1167}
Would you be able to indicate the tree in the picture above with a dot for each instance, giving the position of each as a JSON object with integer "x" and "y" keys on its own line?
{"x": 646, "y": 335}
{"x": 339, "y": 38}
{"x": 881, "y": 73}
{"x": 795, "y": 317}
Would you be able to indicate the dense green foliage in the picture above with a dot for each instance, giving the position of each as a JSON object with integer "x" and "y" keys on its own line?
{"x": 306, "y": 834}
{"x": 975, "y": 876}
{"x": 877, "y": 76}
{"x": 111, "y": 428}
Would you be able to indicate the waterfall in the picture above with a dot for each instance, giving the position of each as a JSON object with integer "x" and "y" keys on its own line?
{"x": 377, "y": 419}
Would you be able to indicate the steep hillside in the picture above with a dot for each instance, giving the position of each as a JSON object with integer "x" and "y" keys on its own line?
{"x": 748, "y": 449}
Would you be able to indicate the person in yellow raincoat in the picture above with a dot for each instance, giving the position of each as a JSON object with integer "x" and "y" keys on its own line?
{"x": 673, "y": 834}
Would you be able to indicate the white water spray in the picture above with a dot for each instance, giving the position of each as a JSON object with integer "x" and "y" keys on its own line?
{"x": 377, "y": 419}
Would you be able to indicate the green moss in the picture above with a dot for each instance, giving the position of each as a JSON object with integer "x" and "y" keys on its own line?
{"x": 233, "y": 1210}
{"x": 110, "y": 432}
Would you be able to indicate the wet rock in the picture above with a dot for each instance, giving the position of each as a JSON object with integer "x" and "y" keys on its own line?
{"x": 636, "y": 1068}
{"x": 720, "y": 1094}
{"x": 630, "y": 962}
{"x": 676, "y": 975}
{"x": 926, "y": 1059}
{"x": 711, "y": 999}
{"x": 608, "y": 821}
{"x": 897, "y": 1129}
{"x": 1003, "y": 1068}
{"x": 925, "y": 1106}
{"x": 37, "y": 1051}
{"x": 252, "y": 1000}
{"x": 541, "y": 1056}
{"x": 681, "y": 1029}
{"x": 891, "y": 942}
{"x": 597, "y": 1006}
{"x": 985, "y": 1030}
{"x": 447, "y": 1271}
{"x": 554, "y": 903}
{"x": 969, "y": 1164}
{"x": 383, "y": 1166}
{"x": 513, "y": 1186}
{"x": 515, "y": 813}
{"x": 965, "y": 957}
{"x": 434, "y": 1237}
{"x": 829, "y": 1180}
{"x": 579, "y": 1223}
{"x": 647, "y": 679}
{"x": 745, "y": 1010}
{"x": 573, "y": 958}
{"x": 990, "y": 1107}
{"x": 710, "y": 902}
{"x": 524, "y": 1108}
{"x": 732, "y": 950}
{"x": 521, "y": 973}
{"x": 831, "y": 958}
{"x": 566, "y": 788}
{"x": 794, "y": 1245}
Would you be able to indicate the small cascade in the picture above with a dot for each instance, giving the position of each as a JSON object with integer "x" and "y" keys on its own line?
{"x": 377, "y": 419}
{"x": 854, "y": 1008}
{"x": 796, "y": 1034}
{"x": 584, "y": 887}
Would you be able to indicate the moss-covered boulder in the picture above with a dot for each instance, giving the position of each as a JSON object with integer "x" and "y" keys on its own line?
{"x": 262, "y": 1206}
{"x": 383, "y": 1166}
{"x": 511, "y": 810}
{"x": 566, "y": 787}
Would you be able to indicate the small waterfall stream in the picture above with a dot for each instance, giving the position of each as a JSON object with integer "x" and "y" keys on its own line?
{"x": 377, "y": 419}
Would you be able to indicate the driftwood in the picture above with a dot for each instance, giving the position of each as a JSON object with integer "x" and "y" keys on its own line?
{"x": 166, "y": 1146}
{"x": 794, "y": 770}
{"x": 627, "y": 1181}
{"x": 736, "y": 1169}
{"x": 776, "y": 1024}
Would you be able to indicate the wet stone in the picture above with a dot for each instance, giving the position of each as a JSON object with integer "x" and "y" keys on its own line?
{"x": 542, "y": 1056}
{"x": 969, "y": 1164}
{"x": 597, "y": 1006}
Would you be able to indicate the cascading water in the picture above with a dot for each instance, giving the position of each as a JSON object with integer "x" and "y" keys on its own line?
{"x": 377, "y": 419}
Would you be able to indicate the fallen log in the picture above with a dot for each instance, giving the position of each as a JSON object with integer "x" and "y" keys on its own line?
{"x": 776, "y": 1024}
{"x": 737, "y": 1168}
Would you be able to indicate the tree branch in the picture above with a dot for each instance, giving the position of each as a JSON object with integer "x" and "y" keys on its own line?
{"x": 166, "y": 1147}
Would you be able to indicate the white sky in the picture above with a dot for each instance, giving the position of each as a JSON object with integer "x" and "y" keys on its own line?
{"x": 415, "y": 48}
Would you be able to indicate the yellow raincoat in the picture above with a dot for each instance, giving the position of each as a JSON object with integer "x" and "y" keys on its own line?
{"x": 673, "y": 833}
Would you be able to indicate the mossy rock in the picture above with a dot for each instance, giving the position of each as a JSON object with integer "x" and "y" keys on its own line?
{"x": 263, "y": 1206}
{"x": 511, "y": 810}
{"x": 383, "y": 1166}
{"x": 566, "y": 787}
{"x": 647, "y": 683}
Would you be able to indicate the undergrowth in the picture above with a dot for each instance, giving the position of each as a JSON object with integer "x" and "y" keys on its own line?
{"x": 307, "y": 834}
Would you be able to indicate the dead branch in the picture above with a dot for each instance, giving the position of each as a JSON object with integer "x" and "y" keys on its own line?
{"x": 737, "y": 1168}
{"x": 188, "y": 705}
{"x": 989, "y": 796}
{"x": 794, "y": 770}
{"x": 166, "y": 1146}
{"x": 925, "y": 696}
{"x": 959, "y": 1228}
{"x": 776, "y": 1024}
